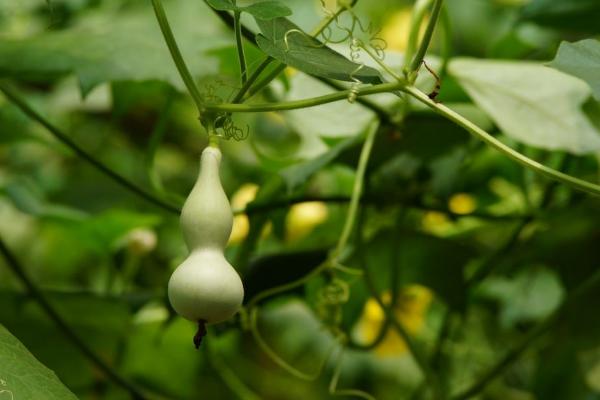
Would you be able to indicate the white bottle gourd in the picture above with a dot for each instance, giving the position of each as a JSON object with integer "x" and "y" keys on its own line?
{"x": 205, "y": 288}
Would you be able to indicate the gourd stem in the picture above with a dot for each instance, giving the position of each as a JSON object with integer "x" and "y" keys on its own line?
{"x": 200, "y": 333}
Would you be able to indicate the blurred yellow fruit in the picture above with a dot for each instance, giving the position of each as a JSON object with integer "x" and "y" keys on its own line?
{"x": 410, "y": 310}
{"x": 244, "y": 195}
{"x": 462, "y": 203}
{"x": 435, "y": 222}
{"x": 303, "y": 218}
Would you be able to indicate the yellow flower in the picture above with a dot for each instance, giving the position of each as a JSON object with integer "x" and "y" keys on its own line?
{"x": 410, "y": 310}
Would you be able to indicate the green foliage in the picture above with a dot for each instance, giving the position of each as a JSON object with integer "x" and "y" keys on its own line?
{"x": 114, "y": 46}
{"x": 580, "y": 59}
{"x": 531, "y": 103}
{"x": 286, "y": 42}
{"x": 575, "y": 15}
{"x": 22, "y": 374}
{"x": 266, "y": 10}
{"x": 436, "y": 206}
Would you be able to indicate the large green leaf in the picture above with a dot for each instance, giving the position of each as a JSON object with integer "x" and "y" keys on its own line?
{"x": 265, "y": 10}
{"x": 22, "y": 376}
{"x": 286, "y": 42}
{"x": 127, "y": 46}
{"x": 297, "y": 174}
{"x": 533, "y": 104}
{"x": 576, "y": 15}
{"x": 580, "y": 59}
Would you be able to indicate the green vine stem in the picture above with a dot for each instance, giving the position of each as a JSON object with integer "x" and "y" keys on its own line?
{"x": 61, "y": 324}
{"x": 419, "y": 12}
{"x": 240, "y": 47}
{"x": 18, "y": 101}
{"x": 357, "y": 191}
{"x": 422, "y": 50}
{"x": 186, "y": 76}
{"x": 479, "y": 133}
{"x": 304, "y": 103}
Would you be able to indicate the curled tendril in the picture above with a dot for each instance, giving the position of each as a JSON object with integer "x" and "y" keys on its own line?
{"x": 330, "y": 300}
{"x": 355, "y": 48}
{"x": 229, "y": 130}
{"x": 376, "y": 43}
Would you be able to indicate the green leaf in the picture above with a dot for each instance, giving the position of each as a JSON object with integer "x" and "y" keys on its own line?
{"x": 127, "y": 46}
{"x": 297, "y": 174}
{"x": 531, "y": 103}
{"x": 530, "y": 296}
{"x": 576, "y": 15}
{"x": 22, "y": 376}
{"x": 580, "y": 59}
{"x": 284, "y": 41}
{"x": 265, "y": 10}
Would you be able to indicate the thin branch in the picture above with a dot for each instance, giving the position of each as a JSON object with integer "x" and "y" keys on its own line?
{"x": 17, "y": 100}
{"x": 40, "y": 298}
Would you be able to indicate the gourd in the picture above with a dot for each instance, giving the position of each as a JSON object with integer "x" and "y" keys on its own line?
{"x": 205, "y": 288}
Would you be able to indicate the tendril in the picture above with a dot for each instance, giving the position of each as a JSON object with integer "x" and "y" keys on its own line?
{"x": 229, "y": 130}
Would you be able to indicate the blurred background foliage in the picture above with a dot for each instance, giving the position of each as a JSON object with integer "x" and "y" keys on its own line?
{"x": 438, "y": 205}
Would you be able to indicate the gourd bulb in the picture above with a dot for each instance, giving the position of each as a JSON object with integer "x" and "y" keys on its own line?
{"x": 205, "y": 288}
